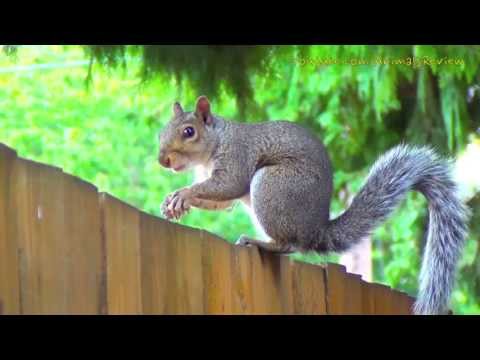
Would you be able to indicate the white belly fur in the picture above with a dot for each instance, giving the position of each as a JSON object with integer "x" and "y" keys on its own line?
{"x": 202, "y": 173}
{"x": 261, "y": 235}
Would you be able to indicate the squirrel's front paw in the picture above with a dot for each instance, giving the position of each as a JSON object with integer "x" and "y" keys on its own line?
{"x": 176, "y": 204}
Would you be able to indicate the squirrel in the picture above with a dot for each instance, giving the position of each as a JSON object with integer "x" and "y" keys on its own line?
{"x": 284, "y": 175}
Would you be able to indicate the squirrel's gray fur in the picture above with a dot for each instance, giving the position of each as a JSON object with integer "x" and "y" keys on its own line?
{"x": 284, "y": 174}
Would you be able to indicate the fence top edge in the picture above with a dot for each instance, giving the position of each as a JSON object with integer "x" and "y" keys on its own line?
{"x": 107, "y": 197}
{"x": 80, "y": 181}
{"x": 38, "y": 164}
{"x": 6, "y": 149}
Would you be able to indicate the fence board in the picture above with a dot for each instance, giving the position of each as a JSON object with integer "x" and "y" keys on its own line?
{"x": 269, "y": 270}
{"x": 122, "y": 237}
{"x": 217, "y": 274}
{"x": 368, "y": 299}
{"x": 174, "y": 304}
{"x": 84, "y": 255}
{"x": 354, "y": 298}
{"x": 260, "y": 296}
{"x": 242, "y": 277}
{"x": 383, "y": 300}
{"x": 403, "y": 304}
{"x": 189, "y": 272}
{"x": 155, "y": 241}
{"x": 9, "y": 281}
{"x": 336, "y": 289}
{"x": 309, "y": 289}
{"x": 39, "y": 228}
{"x": 288, "y": 279}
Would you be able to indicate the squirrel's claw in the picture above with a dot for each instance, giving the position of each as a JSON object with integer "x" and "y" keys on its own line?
{"x": 175, "y": 206}
{"x": 266, "y": 246}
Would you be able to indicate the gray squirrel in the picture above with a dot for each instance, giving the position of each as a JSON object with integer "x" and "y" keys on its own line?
{"x": 283, "y": 173}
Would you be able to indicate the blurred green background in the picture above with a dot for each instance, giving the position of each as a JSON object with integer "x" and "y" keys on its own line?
{"x": 96, "y": 112}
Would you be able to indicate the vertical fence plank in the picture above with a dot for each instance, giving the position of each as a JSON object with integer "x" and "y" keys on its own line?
{"x": 242, "y": 289}
{"x": 287, "y": 294}
{"x": 271, "y": 273}
{"x": 336, "y": 291}
{"x": 122, "y": 237}
{"x": 172, "y": 305}
{"x": 383, "y": 300}
{"x": 188, "y": 271}
{"x": 171, "y": 268}
{"x": 84, "y": 248}
{"x": 19, "y": 228}
{"x": 403, "y": 304}
{"x": 9, "y": 281}
{"x": 260, "y": 295}
{"x": 368, "y": 299}
{"x": 272, "y": 283}
{"x": 174, "y": 302}
{"x": 347, "y": 293}
{"x": 172, "y": 276}
{"x": 154, "y": 254}
{"x": 217, "y": 274}
{"x": 354, "y": 299}
{"x": 309, "y": 289}
{"x": 39, "y": 228}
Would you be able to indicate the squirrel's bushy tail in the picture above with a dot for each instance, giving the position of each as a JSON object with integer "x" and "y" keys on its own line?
{"x": 401, "y": 169}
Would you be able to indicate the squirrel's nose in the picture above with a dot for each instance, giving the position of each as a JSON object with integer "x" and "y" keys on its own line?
{"x": 164, "y": 160}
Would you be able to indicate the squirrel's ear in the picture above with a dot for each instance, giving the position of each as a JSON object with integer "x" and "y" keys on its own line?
{"x": 177, "y": 109}
{"x": 203, "y": 109}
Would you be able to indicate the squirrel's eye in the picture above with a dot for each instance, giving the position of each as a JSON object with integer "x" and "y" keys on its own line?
{"x": 188, "y": 132}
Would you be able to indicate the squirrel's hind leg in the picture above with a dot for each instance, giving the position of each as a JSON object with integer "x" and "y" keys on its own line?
{"x": 273, "y": 247}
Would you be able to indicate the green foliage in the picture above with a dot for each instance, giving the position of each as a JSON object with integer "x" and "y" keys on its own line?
{"x": 106, "y": 132}
{"x": 205, "y": 67}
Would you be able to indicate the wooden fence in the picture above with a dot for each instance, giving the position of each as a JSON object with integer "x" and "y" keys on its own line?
{"x": 67, "y": 249}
